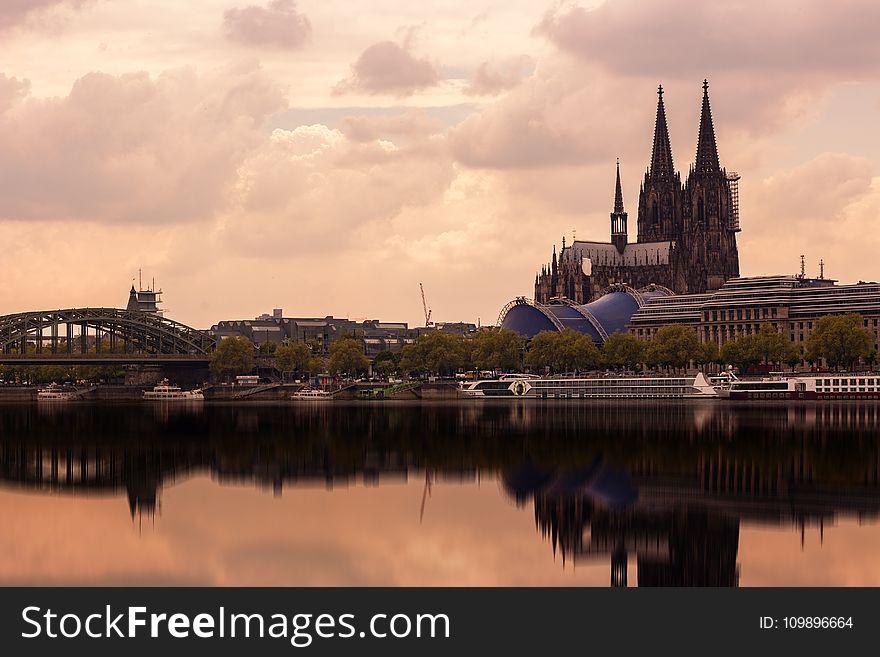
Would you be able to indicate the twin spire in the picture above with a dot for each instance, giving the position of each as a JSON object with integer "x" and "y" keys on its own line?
{"x": 707, "y": 150}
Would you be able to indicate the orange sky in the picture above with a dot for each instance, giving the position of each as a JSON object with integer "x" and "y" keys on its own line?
{"x": 371, "y": 536}
{"x": 327, "y": 156}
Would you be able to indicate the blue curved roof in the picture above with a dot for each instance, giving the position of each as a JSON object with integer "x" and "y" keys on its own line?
{"x": 612, "y": 312}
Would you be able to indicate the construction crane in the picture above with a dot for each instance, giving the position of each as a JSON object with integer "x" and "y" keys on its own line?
{"x": 427, "y": 310}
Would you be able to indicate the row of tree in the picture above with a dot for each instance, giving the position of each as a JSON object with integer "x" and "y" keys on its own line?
{"x": 841, "y": 340}
{"x": 235, "y": 355}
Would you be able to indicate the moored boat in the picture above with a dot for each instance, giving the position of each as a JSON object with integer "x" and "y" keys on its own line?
{"x": 626, "y": 387}
{"x": 167, "y": 392}
{"x": 311, "y": 394}
{"x": 815, "y": 386}
{"x": 56, "y": 392}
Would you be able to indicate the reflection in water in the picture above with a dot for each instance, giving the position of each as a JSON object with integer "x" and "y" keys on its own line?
{"x": 665, "y": 487}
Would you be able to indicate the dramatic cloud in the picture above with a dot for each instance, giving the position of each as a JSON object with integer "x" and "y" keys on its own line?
{"x": 14, "y": 12}
{"x": 682, "y": 38}
{"x": 389, "y": 68}
{"x": 784, "y": 52}
{"x": 279, "y": 24}
{"x": 496, "y": 76}
{"x": 559, "y": 116}
{"x": 131, "y": 148}
{"x": 312, "y": 179}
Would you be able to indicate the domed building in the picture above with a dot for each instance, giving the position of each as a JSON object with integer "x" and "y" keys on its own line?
{"x": 598, "y": 319}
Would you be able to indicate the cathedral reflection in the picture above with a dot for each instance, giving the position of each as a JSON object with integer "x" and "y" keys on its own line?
{"x": 661, "y": 488}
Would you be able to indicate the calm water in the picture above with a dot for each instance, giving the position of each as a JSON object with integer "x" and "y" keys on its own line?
{"x": 686, "y": 493}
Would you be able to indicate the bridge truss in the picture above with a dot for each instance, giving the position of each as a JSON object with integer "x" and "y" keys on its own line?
{"x": 85, "y": 330}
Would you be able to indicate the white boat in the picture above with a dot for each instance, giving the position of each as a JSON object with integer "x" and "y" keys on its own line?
{"x": 823, "y": 387}
{"x": 625, "y": 387}
{"x": 311, "y": 394}
{"x": 167, "y": 392}
{"x": 55, "y": 392}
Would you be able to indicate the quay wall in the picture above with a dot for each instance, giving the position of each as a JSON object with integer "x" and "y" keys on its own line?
{"x": 120, "y": 393}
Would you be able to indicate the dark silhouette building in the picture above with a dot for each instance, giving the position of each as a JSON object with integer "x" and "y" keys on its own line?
{"x": 686, "y": 233}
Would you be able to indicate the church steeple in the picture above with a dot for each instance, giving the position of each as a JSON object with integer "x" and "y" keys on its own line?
{"x": 661, "y": 155}
{"x": 618, "y": 216}
{"x": 660, "y": 196}
{"x": 618, "y": 193}
{"x": 707, "y": 149}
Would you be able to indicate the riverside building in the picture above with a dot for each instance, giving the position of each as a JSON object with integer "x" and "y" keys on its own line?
{"x": 791, "y": 304}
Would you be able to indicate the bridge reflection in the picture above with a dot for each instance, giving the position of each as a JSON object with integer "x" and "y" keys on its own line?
{"x": 667, "y": 488}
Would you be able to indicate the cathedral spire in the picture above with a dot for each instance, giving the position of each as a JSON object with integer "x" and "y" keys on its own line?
{"x": 707, "y": 150}
{"x": 618, "y": 216}
{"x": 661, "y": 155}
{"x": 618, "y": 192}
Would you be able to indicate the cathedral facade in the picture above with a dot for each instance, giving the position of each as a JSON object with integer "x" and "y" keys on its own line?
{"x": 686, "y": 233}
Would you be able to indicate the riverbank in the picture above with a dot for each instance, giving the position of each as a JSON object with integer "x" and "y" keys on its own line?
{"x": 266, "y": 392}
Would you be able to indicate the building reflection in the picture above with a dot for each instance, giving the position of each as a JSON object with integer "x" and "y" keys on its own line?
{"x": 663, "y": 488}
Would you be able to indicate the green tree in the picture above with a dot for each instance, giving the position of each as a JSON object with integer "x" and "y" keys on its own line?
{"x": 741, "y": 352}
{"x": 562, "y": 351}
{"x": 674, "y": 346}
{"x": 293, "y": 357}
{"x": 793, "y": 355}
{"x": 434, "y": 352}
{"x": 268, "y": 348}
{"x": 233, "y": 355}
{"x": 347, "y": 355}
{"x": 708, "y": 354}
{"x": 385, "y": 363}
{"x": 772, "y": 346}
{"x": 623, "y": 351}
{"x": 840, "y": 339}
{"x": 497, "y": 350}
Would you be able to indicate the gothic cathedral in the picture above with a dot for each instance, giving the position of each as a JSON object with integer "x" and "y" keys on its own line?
{"x": 686, "y": 239}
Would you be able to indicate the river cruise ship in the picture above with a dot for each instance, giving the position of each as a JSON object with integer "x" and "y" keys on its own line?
{"x": 167, "y": 392}
{"x": 820, "y": 386}
{"x": 625, "y": 387}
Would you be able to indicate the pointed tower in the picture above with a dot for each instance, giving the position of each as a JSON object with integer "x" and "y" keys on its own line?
{"x": 661, "y": 153}
{"x": 618, "y": 216}
{"x": 132, "y": 300}
{"x": 660, "y": 195}
{"x": 709, "y": 244}
{"x": 706, "y": 161}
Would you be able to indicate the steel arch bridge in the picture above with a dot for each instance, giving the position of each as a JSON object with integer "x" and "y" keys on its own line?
{"x": 59, "y": 331}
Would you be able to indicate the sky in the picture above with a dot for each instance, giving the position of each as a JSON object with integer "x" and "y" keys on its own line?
{"x": 325, "y": 157}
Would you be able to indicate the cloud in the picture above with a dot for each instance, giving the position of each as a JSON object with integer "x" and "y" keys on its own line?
{"x": 279, "y": 24}
{"x": 414, "y": 123}
{"x": 822, "y": 208}
{"x": 12, "y": 91}
{"x": 564, "y": 114}
{"x": 16, "y": 12}
{"x": 684, "y": 39}
{"x": 312, "y": 181}
{"x": 389, "y": 68}
{"x": 496, "y": 76}
{"x": 130, "y": 148}
{"x": 784, "y": 52}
